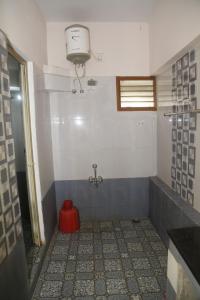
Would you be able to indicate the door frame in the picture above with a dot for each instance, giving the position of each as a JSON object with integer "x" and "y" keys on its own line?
{"x": 30, "y": 165}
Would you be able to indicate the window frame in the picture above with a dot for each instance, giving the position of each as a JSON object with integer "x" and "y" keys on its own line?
{"x": 119, "y": 78}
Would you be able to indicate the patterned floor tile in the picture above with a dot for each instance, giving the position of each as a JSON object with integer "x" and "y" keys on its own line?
{"x": 84, "y": 275}
{"x": 114, "y": 275}
{"x": 158, "y": 246}
{"x": 69, "y": 276}
{"x": 86, "y": 236}
{"x": 108, "y": 235}
{"x": 63, "y": 237}
{"x": 67, "y": 288}
{"x": 130, "y": 234}
{"x": 133, "y": 285}
{"x": 100, "y": 287}
{"x": 141, "y": 263}
{"x": 85, "y": 266}
{"x": 60, "y": 250}
{"x": 105, "y": 260}
{"x": 148, "y": 284}
{"x": 110, "y": 248}
{"x": 51, "y": 289}
{"x": 163, "y": 261}
{"x": 106, "y": 226}
{"x": 134, "y": 247}
{"x": 56, "y": 267}
{"x": 85, "y": 249}
{"x": 84, "y": 288}
{"x": 116, "y": 286}
{"x": 112, "y": 264}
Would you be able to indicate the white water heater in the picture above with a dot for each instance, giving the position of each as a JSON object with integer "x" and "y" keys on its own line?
{"x": 77, "y": 43}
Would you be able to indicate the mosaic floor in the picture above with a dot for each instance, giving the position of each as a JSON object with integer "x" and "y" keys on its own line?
{"x": 116, "y": 260}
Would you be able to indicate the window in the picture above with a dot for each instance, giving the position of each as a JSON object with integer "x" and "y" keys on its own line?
{"x": 136, "y": 93}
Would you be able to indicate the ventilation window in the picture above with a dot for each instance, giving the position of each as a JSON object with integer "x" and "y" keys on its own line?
{"x": 136, "y": 93}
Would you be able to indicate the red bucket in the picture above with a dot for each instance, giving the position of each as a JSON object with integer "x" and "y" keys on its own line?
{"x": 68, "y": 204}
{"x": 69, "y": 220}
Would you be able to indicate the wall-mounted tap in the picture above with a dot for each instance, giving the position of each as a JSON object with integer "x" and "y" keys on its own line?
{"x": 96, "y": 179}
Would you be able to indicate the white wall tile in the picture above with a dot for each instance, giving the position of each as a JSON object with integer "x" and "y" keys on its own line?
{"x": 88, "y": 129}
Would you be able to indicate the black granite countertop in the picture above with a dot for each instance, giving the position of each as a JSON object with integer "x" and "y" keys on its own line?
{"x": 187, "y": 242}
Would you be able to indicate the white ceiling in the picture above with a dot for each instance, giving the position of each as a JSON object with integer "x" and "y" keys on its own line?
{"x": 96, "y": 10}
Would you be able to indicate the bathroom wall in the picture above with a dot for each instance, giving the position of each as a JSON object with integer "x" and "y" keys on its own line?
{"x": 174, "y": 24}
{"x": 25, "y": 26}
{"x": 178, "y": 136}
{"x": 87, "y": 129}
{"x": 124, "y": 48}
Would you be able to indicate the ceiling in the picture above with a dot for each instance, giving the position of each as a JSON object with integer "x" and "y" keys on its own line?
{"x": 96, "y": 10}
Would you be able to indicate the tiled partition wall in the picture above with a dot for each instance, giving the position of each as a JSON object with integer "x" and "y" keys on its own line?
{"x": 174, "y": 195}
{"x": 87, "y": 129}
{"x": 178, "y": 138}
{"x": 12, "y": 252}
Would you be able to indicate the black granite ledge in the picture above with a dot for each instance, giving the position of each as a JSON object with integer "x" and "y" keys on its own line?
{"x": 187, "y": 242}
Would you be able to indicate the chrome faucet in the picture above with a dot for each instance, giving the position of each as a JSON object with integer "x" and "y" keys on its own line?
{"x": 96, "y": 180}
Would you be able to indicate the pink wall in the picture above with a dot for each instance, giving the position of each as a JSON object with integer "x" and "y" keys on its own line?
{"x": 125, "y": 48}
{"x": 25, "y": 26}
{"x": 174, "y": 24}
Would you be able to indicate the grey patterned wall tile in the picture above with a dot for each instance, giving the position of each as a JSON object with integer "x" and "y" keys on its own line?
{"x": 192, "y": 89}
{"x": 10, "y": 239}
{"x": 3, "y": 251}
{"x": 193, "y": 121}
{"x": 173, "y": 172}
{"x": 178, "y": 176}
{"x": 192, "y": 153}
{"x": 185, "y": 61}
{"x": 185, "y": 92}
{"x": 192, "y": 138}
{"x": 174, "y": 121}
{"x": 184, "y": 180}
{"x": 193, "y": 103}
{"x": 179, "y": 149}
{"x": 2, "y": 152}
{"x": 190, "y": 183}
{"x": 10, "y": 149}
{"x": 178, "y": 188}
{"x": 186, "y": 118}
{"x": 179, "y": 162}
{"x": 190, "y": 198}
{"x": 8, "y": 219}
{"x": 10, "y": 224}
{"x": 179, "y": 94}
{"x": 191, "y": 168}
{"x": 184, "y": 76}
{"x": 184, "y": 193}
{"x": 179, "y": 136}
{"x": 173, "y": 160}
{"x": 192, "y": 56}
{"x": 193, "y": 72}
{"x": 2, "y": 229}
{"x": 18, "y": 228}
{"x": 185, "y": 137}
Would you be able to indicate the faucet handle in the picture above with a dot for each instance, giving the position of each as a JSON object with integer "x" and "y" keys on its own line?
{"x": 100, "y": 179}
{"x": 90, "y": 179}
